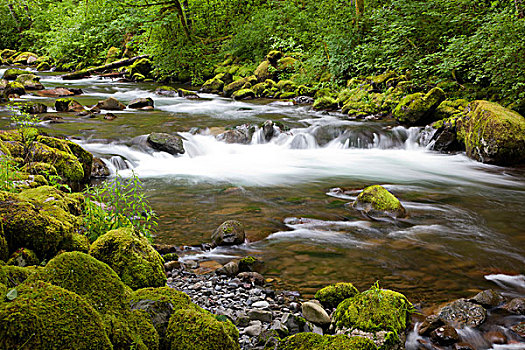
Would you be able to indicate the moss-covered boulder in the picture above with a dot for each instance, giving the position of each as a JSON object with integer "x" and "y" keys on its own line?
{"x": 23, "y": 257}
{"x": 141, "y": 66}
{"x": 314, "y": 341}
{"x": 113, "y": 55}
{"x": 243, "y": 94}
{"x": 377, "y": 201}
{"x": 274, "y": 56}
{"x": 230, "y": 232}
{"x": 42, "y": 219}
{"x": 14, "y": 89}
{"x": 159, "y": 304}
{"x": 325, "y": 103}
{"x": 197, "y": 329}
{"x": 43, "y": 66}
{"x": 68, "y": 105}
{"x": 101, "y": 287}
{"x": 170, "y": 143}
{"x": 28, "y": 58}
{"x": 12, "y": 74}
{"x": 262, "y": 72}
{"x": 451, "y": 109}
{"x": 132, "y": 257}
{"x": 493, "y": 134}
{"x": 333, "y": 294}
{"x": 419, "y": 108}
{"x": 33, "y": 108}
{"x": 30, "y": 82}
{"x": 214, "y": 85}
{"x": 375, "y": 310}
{"x": 241, "y": 83}
{"x": 44, "y": 316}
{"x": 15, "y": 275}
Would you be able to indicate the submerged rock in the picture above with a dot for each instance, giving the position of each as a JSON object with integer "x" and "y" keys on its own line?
{"x": 59, "y": 92}
{"x": 230, "y": 232}
{"x": 376, "y": 200}
{"x": 170, "y": 143}
{"x": 34, "y": 108}
{"x": 493, "y": 134}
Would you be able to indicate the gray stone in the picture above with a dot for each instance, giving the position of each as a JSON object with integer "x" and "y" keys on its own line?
{"x": 488, "y": 298}
{"x": 261, "y": 304}
{"x": 462, "y": 313}
{"x": 516, "y": 306}
{"x": 141, "y": 103}
{"x": 170, "y": 143}
{"x": 230, "y": 232}
{"x": 315, "y": 313}
{"x": 111, "y": 104}
{"x": 261, "y": 315}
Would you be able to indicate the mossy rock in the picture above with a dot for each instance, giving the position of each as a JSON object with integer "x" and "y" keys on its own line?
{"x": 68, "y": 105}
{"x": 141, "y": 66}
{"x": 334, "y": 294}
{"x": 419, "y": 108}
{"x": 159, "y": 304}
{"x": 197, "y": 329}
{"x": 377, "y": 201}
{"x": 44, "y": 316}
{"x": 23, "y": 257}
{"x": 26, "y": 58}
{"x": 325, "y": 92}
{"x": 314, "y": 341}
{"x": 43, "y": 66}
{"x": 375, "y": 310}
{"x": 287, "y": 95}
{"x": 262, "y": 72}
{"x": 112, "y": 55}
{"x": 13, "y": 73}
{"x": 243, "y": 94}
{"x": 33, "y": 108}
{"x": 286, "y": 86}
{"x": 287, "y": 64}
{"x": 241, "y": 83}
{"x": 325, "y": 103}
{"x": 274, "y": 56}
{"x": 214, "y": 85}
{"x": 14, "y": 88}
{"x": 493, "y": 134}
{"x": 40, "y": 219}
{"x": 379, "y": 81}
{"x": 132, "y": 257}
{"x": 30, "y": 81}
{"x": 16, "y": 275}
{"x": 448, "y": 109}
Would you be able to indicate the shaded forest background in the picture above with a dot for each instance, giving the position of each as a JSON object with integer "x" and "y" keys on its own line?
{"x": 478, "y": 44}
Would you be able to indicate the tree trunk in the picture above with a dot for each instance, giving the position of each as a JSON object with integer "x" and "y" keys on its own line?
{"x": 100, "y": 69}
{"x": 359, "y": 7}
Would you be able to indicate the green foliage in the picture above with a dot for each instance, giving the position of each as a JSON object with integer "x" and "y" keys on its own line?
{"x": 115, "y": 204}
{"x": 8, "y": 174}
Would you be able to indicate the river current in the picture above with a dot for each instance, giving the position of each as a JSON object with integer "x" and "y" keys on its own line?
{"x": 465, "y": 232}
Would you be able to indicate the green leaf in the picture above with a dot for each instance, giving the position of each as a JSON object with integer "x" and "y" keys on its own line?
{"x": 12, "y": 294}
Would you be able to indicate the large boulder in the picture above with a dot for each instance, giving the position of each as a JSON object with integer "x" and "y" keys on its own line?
{"x": 139, "y": 103}
{"x": 419, "y": 108}
{"x": 493, "y": 134}
{"x": 243, "y": 83}
{"x": 334, "y": 294}
{"x": 44, "y": 316}
{"x": 262, "y": 72}
{"x": 14, "y": 89}
{"x": 68, "y": 105}
{"x": 377, "y": 201}
{"x": 230, "y": 232}
{"x": 197, "y": 329}
{"x": 30, "y": 81}
{"x": 100, "y": 286}
{"x": 375, "y": 310}
{"x": 27, "y": 58}
{"x": 214, "y": 85}
{"x": 462, "y": 312}
{"x": 43, "y": 219}
{"x": 170, "y": 143}
{"x": 132, "y": 257}
{"x": 241, "y": 134}
{"x": 110, "y": 104}
{"x": 13, "y": 73}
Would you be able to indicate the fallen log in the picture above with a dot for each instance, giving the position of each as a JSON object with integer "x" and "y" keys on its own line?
{"x": 101, "y": 69}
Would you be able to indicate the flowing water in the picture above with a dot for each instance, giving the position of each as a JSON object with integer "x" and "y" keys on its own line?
{"x": 467, "y": 219}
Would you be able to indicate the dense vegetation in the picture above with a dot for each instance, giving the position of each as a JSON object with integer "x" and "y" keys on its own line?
{"x": 476, "y": 44}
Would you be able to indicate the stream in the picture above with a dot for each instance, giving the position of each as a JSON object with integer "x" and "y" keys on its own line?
{"x": 465, "y": 232}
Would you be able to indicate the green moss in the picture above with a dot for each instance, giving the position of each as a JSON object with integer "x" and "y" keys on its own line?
{"x": 141, "y": 66}
{"x": 314, "y": 341}
{"x": 170, "y": 257}
{"x": 376, "y": 199}
{"x": 287, "y": 95}
{"x": 286, "y": 63}
{"x": 286, "y": 86}
{"x": 333, "y": 294}
{"x": 196, "y": 329}
{"x": 238, "y": 84}
{"x": 493, "y": 134}
{"x": 374, "y": 310}
{"x": 44, "y": 316}
{"x": 15, "y": 275}
{"x": 132, "y": 257}
{"x": 243, "y": 94}
{"x": 40, "y": 219}
{"x": 449, "y": 109}
{"x": 76, "y": 242}
{"x": 3, "y": 290}
{"x": 214, "y": 85}
{"x": 325, "y": 103}
{"x": 12, "y": 74}
{"x": 23, "y": 257}
{"x": 247, "y": 263}
{"x": 419, "y": 108}
{"x": 325, "y": 92}
{"x": 274, "y": 56}
{"x": 4, "y": 248}
{"x": 178, "y": 300}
